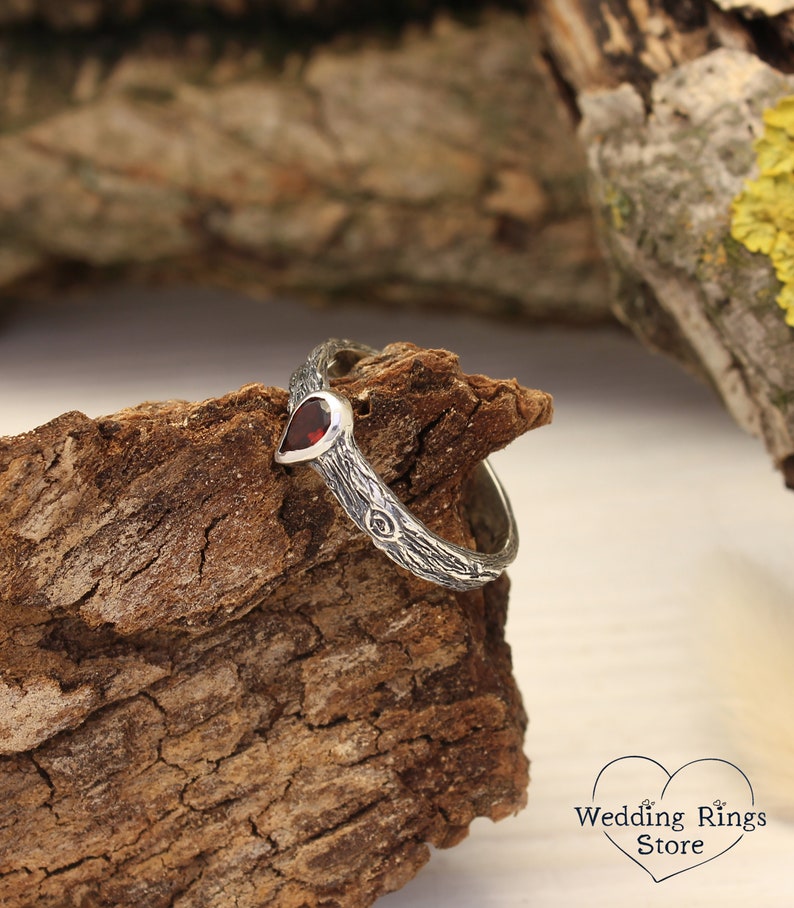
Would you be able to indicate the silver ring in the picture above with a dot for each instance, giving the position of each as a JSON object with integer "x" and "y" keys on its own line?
{"x": 319, "y": 432}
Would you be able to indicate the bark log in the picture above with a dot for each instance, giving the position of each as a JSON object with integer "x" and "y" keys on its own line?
{"x": 436, "y": 168}
{"x": 673, "y": 97}
{"x": 214, "y": 690}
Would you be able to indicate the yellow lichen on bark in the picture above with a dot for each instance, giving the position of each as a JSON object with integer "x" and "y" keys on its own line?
{"x": 763, "y": 213}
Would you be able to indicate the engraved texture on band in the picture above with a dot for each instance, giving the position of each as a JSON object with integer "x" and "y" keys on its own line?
{"x": 374, "y": 508}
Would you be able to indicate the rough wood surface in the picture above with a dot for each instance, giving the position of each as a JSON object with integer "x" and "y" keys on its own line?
{"x": 436, "y": 167}
{"x": 674, "y": 98}
{"x": 213, "y": 689}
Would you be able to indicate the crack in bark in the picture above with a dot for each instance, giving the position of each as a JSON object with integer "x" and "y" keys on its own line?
{"x": 45, "y": 777}
{"x": 203, "y": 550}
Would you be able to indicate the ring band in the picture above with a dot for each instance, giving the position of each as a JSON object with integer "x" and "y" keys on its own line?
{"x": 319, "y": 432}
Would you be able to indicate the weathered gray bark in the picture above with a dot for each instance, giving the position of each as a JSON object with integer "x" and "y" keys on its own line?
{"x": 213, "y": 689}
{"x": 669, "y": 124}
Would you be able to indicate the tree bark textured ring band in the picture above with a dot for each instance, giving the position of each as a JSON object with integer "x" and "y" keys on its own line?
{"x": 320, "y": 432}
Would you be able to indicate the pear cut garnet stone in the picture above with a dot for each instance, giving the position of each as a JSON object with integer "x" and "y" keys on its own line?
{"x": 308, "y": 425}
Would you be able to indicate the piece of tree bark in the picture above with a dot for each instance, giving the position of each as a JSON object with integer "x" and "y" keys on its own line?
{"x": 673, "y": 96}
{"x": 436, "y": 169}
{"x": 213, "y": 688}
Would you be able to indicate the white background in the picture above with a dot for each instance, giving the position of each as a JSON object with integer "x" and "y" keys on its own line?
{"x": 651, "y": 600}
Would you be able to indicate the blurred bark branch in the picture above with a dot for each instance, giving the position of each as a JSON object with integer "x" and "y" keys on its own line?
{"x": 437, "y": 168}
{"x": 437, "y": 165}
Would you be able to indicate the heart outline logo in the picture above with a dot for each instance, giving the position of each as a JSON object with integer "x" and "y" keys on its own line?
{"x": 708, "y": 771}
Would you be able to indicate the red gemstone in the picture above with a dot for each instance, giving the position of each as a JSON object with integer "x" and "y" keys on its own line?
{"x": 308, "y": 425}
